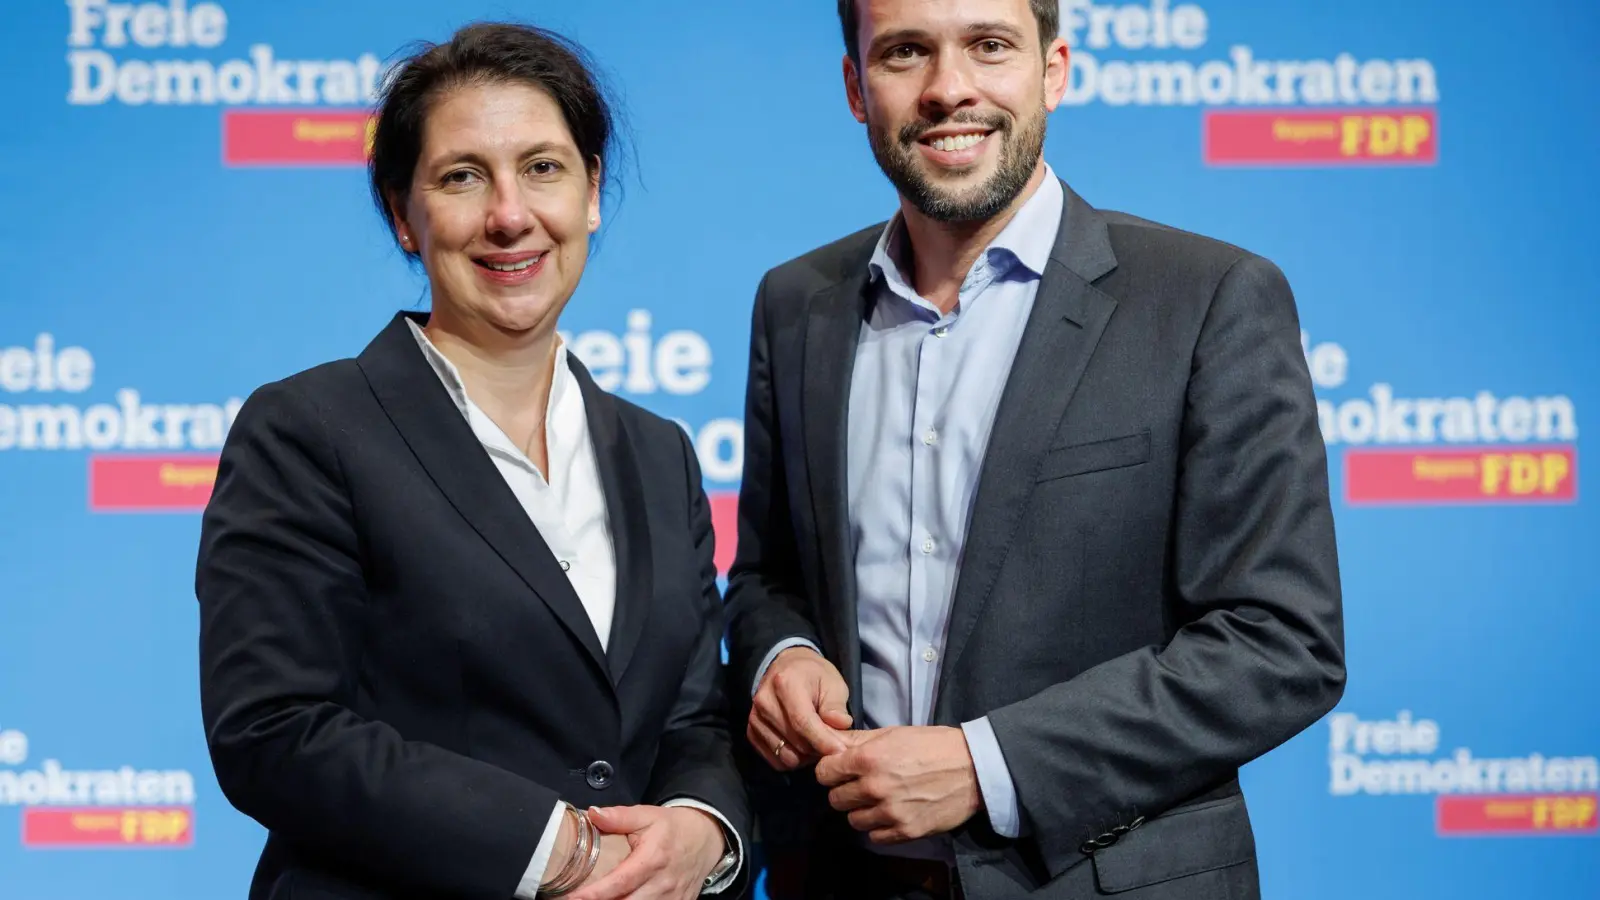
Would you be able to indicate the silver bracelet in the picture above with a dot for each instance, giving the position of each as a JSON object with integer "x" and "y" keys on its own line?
{"x": 568, "y": 878}
{"x": 594, "y": 849}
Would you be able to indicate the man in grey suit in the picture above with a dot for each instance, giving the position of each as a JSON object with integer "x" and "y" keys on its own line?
{"x": 1035, "y": 542}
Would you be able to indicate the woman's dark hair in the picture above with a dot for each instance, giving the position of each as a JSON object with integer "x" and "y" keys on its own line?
{"x": 1046, "y": 12}
{"x": 485, "y": 53}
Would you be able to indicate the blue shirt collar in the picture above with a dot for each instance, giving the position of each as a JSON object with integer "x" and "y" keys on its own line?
{"x": 1028, "y": 239}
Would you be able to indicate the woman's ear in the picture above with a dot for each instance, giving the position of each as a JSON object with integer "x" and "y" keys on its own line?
{"x": 402, "y": 228}
{"x": 595, "y": 177}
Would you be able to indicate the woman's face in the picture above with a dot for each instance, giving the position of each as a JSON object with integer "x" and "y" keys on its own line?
{"x": 501, "y": 206}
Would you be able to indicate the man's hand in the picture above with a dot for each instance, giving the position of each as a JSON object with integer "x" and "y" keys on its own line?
{"x": 901, "y": 784}
{"x": 799, "y": 710}
{"x": 672, "y": 850}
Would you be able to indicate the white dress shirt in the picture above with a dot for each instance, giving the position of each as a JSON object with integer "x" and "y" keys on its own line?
{"x": 569, "y": 509}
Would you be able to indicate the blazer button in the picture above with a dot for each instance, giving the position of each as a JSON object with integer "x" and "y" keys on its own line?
{"x": 599, "y": 774}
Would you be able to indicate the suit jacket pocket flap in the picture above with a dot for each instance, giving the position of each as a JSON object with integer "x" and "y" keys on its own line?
{"x": 1111, "y": 453}
{"x": 1208, "y": 836}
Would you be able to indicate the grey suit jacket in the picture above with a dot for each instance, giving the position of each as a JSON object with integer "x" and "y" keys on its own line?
{"x": 1150, "y": 593}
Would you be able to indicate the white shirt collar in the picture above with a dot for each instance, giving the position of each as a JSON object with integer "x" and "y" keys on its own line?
{"x": 560, "y": 422}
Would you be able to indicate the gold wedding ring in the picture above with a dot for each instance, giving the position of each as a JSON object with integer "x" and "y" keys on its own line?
{"x": 779, "y": 749}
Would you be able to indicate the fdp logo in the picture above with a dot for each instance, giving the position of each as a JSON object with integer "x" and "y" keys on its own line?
{"x": 1473, "y": 796}
{"x": 1337, "y": 110}
{"x": 88, "y": 809}
{"x": 151, "y": 54}
{"x": 1483, "y": 447}
{"x": 142, "y": 456}
{"x": 1485, "y": 474}
{"x": 1297, "y": 137}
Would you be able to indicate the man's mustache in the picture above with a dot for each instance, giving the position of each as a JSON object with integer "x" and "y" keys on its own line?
{"x": 914, "y": 131}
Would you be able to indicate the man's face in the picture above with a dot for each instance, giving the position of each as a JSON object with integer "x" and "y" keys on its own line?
{"x": 954, "y": 94}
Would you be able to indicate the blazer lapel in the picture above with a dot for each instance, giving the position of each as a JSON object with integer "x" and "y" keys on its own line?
{"x": 833, "y": 327}
{"x": 1069, "y": 315}
{"x": 429, "y": 422}
{"x": 625, "y": 512}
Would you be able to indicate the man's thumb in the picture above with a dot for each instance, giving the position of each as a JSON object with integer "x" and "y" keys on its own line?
{"x": 618, "y": 819}
{"x": 836, "y": 717}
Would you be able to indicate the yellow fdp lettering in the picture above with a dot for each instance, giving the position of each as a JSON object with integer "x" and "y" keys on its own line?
{"x": 1563, "y": 813}
{"x": 1385, "y": 136}
{"x": 1351, "y": 129}
{"x": 1414, "y": 130}
{"x": 1521, "y": 474}
{"x": 1382, "y": 135}
{"x": 1556, "y": 470}
{"x": 154, "y": 826}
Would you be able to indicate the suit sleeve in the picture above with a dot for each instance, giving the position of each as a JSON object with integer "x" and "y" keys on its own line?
{"x": 766, "y": 600}
{"x": 1261, "y": 656}
{"x": 282, "y": 606}
{"x": 695, "y": 760}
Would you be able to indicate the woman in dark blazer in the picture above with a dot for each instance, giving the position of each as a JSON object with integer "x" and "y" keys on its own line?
{"x": 459, "y": 617}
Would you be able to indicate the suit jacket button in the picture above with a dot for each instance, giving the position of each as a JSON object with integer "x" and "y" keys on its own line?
{"x": 599, "y": 774}
{"x": 1105, "y": 840}
{"x": 1087, "y": 848}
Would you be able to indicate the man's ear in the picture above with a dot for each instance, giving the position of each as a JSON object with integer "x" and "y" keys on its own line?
{"x": 852, "y": 90}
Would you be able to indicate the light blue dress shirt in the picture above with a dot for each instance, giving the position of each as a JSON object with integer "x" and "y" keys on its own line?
{"x": 923, "y": 398}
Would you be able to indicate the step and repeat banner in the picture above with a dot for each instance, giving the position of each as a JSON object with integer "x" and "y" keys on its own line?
{"x": 186, "y": 218}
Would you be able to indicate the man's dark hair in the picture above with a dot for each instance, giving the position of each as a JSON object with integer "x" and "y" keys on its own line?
{"x": 484, "y": 53}
{"x": 1046, "y": 12}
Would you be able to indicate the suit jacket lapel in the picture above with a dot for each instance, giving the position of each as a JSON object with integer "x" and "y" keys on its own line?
{"x": 833, "y": 327}
{"x": 429, "y": 422}
{"x": 625, "y": 512}
{"x": 1069, "y": 315}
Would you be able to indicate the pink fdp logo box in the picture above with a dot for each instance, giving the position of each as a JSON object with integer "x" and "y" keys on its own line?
{"x": 289, "y": 138}
{"x": 150, "y": 483}
{"x": 1392, "y": 137}
{"x": 104, "y": 828}
{"x": 1521, "y": 474}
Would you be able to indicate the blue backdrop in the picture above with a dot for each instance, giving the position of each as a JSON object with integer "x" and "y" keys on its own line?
{"x": 186, "y": 219}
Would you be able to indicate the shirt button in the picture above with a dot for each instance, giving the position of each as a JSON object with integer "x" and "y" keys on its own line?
{"x": 931, "y": 438}
{"x": 929, "y": 655}
{"x": 927, "y": 545}
{"x": 941, "y": 331}
{"x": 565, "y": 566}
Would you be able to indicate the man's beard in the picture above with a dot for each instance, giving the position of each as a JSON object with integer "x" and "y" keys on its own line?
{"x": 1019, "y": 156}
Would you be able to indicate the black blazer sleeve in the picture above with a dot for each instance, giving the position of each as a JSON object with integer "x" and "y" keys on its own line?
{"x": 1256, "y": 579}
{"x": 282, "y": 607}
{"x": 766, "y": 594}
{"x": 695, "y": 760}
